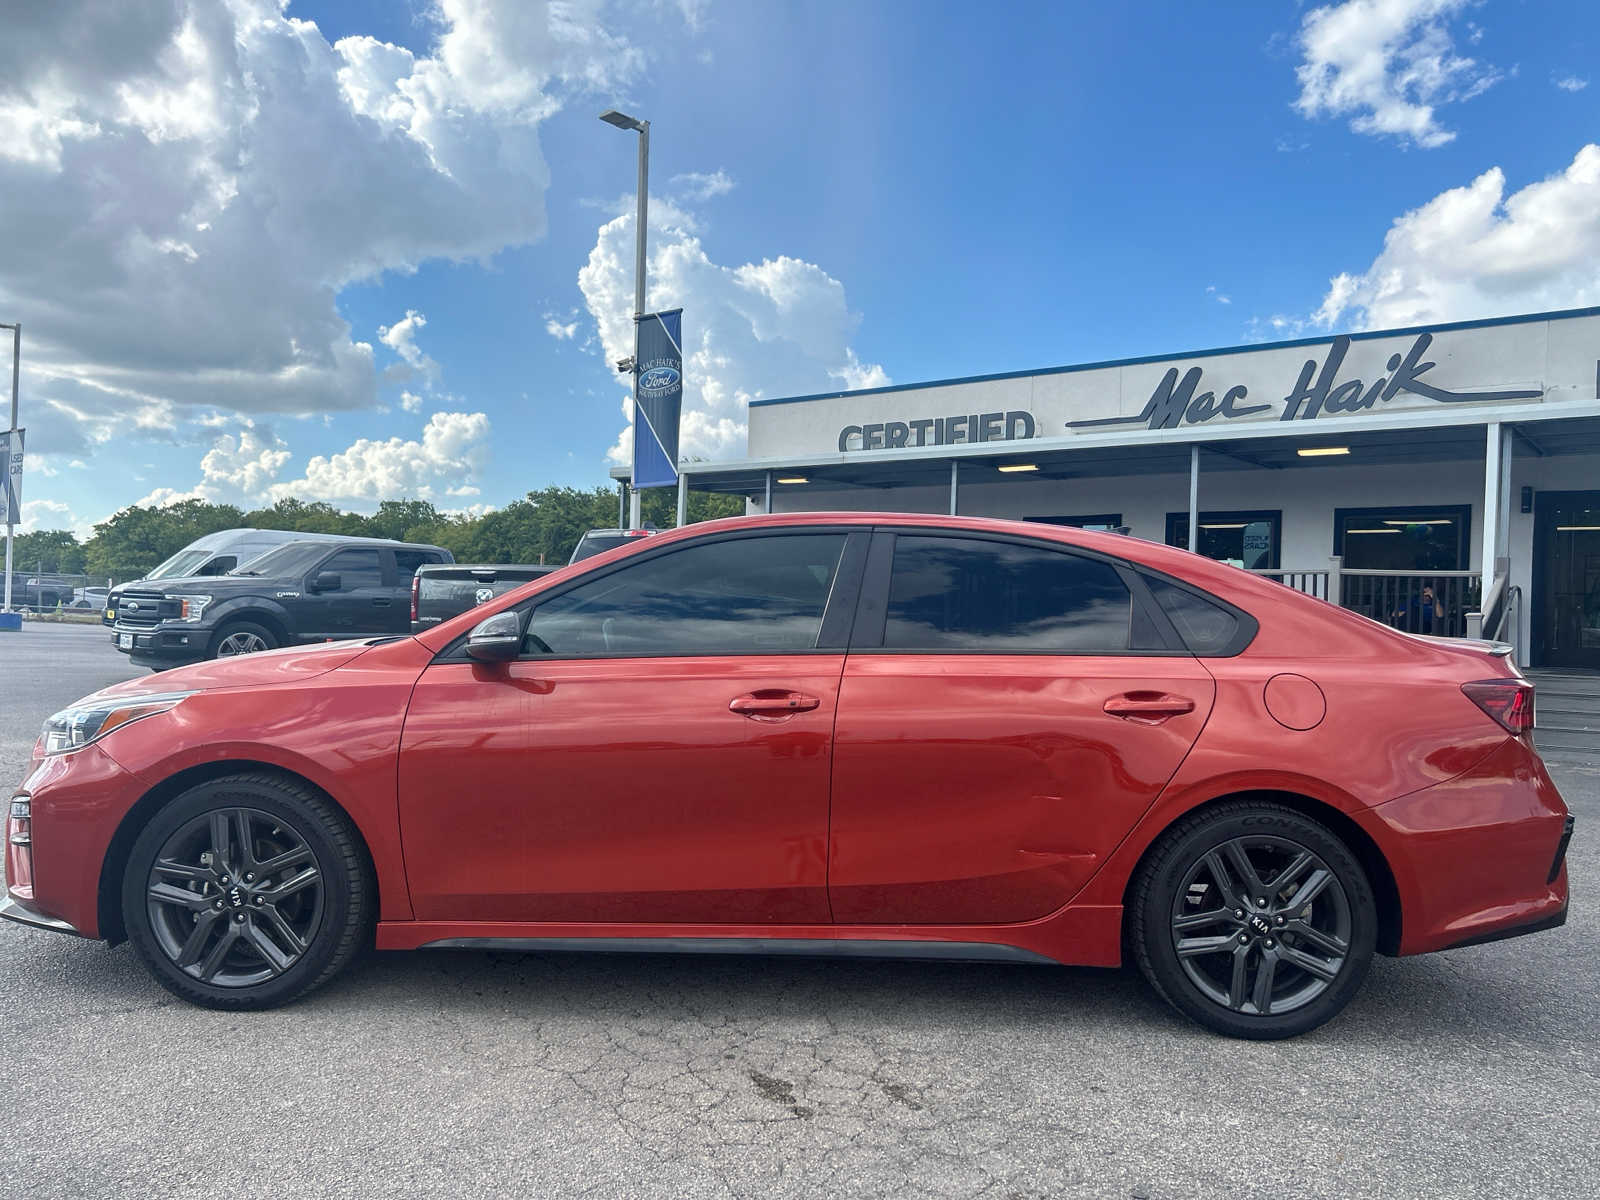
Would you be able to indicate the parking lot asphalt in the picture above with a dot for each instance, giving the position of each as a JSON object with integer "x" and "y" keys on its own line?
{"x": 1472, "y": 1073}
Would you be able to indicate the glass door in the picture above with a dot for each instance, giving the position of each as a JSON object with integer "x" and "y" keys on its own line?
{"x": 1566, "y": 602}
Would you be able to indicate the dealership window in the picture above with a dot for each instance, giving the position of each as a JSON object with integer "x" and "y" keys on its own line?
{"x": 1403, "y": 538}
{"x": 754, "y": 595}
{"x": 1243, "y": 539}
{"x": 1101, "y": 522}
{"x": 1001, "y": 597}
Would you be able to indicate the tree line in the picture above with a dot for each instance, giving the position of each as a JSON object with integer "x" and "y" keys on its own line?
{"x": 542, "y": 527}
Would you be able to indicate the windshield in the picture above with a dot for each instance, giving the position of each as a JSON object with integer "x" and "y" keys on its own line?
{"x": 181, "y": 564}
{"x": 288, "y": 559}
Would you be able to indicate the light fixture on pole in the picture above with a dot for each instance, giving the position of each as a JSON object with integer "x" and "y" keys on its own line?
{"x": 622, "y": 121}
{"x": 13, "y": 454}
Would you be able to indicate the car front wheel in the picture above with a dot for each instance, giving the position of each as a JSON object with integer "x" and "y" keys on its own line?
{"x": 1254, "y": 920}
{"x": 241, "y": 637}
{"x": 246, "y": 892}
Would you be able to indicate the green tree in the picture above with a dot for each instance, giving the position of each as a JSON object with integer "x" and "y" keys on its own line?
{"x": 659, "y": 507}
{"x": 317, "y": 517}
{"x": 51, "y": 550}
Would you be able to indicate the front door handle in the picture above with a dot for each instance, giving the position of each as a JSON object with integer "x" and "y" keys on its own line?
{"x": 1148, "y": 708}
{"x": 772, "y": 703}
{"x": 381, "y": 602}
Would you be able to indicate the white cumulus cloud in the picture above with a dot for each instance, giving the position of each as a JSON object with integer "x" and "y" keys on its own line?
{"x": 1474, "y": 251}
{"x": 774, "y": 328}
{"x": 401, "y": 337}
{"x": 451, "y": 454}
{"x": 199, "y": 179}
{"x": 1570, "y": 83}
{"x": 1388, "y": 65}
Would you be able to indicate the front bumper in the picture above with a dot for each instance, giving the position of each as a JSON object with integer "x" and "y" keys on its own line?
{"x": 12, "y": 910}
{"x": 169, "y": 644}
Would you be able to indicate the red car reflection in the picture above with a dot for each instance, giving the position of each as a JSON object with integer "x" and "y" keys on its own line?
{"x": 837, "y": 733}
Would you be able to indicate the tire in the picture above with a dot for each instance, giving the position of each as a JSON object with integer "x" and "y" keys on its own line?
{"x": 254, "y": 941}
{"x": 240, "y": 637}
{"x": 1309, "y": 920}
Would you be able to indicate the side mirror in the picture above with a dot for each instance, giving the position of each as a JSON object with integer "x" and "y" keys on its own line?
{"x": 325, "y": 581}
{"x": 496, "y": 639}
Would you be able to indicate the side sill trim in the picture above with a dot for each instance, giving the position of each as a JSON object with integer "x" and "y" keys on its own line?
{"x": 806, "y": 947}
{"x": 11, "y": 910}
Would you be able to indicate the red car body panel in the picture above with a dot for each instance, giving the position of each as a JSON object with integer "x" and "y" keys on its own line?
{"x": 926, "y": 798}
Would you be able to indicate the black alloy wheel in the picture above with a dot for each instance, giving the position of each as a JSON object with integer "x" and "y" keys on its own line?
{"x": 246, "y": 892}
{"x": 1254, "y": 920}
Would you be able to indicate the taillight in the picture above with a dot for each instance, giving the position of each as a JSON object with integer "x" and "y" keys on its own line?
{"x": 416, "y": 589}
{"x": 1508, "y": 701}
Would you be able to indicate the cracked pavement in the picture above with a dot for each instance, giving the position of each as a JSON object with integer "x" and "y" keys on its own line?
{"x": 1465, "y": 1074}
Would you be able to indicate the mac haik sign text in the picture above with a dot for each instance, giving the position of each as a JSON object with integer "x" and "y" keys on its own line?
{"x": 1319, "y": 390}
{"x": 1419, "y": 371}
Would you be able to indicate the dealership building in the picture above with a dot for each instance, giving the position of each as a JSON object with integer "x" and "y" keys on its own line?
{"x": 1442, "y": 478}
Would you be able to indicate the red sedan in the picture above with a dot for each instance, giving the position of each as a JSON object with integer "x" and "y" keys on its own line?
{"x": 820, "y": 733}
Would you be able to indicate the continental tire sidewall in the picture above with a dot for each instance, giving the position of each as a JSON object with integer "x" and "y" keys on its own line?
{"x": 345, "y": 891}
{"x": 1158, "y": 957}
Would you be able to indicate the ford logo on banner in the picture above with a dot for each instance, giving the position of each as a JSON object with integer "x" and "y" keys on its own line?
{"x": 658, "y": 379}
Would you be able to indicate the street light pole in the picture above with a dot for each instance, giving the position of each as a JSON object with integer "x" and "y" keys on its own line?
{"x": 11, "y": 517}
{"x": 622, "y": 121}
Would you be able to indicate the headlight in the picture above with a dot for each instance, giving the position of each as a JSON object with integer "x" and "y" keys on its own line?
{"x": 75, "y": 727}
{"x": 191, "y": 608}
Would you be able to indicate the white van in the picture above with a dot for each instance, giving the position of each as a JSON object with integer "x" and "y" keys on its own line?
{"x": 221, "y": 552}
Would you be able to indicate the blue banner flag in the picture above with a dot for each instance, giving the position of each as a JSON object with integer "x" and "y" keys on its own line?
{"x": 657, "y": 397}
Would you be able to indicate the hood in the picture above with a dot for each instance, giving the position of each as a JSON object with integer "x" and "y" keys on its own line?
{"x": 247, "y": 670}
{"x": 214, "y": 585}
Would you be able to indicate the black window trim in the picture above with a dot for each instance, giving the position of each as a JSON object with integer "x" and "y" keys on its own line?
{"x": 873, "y": 608}
{"x": 1463, "y": 512}
{"x": 1248, "y": 515}
{"x": 1076, "y": 521}
{"x": 833, "y": 635}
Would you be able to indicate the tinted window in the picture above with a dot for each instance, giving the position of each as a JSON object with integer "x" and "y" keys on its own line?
{"x": 761, "y": 595}
{"x": 463, "y": 593}
{"x": 219, "y": 565}
{"x": 961, "y": 594}
{"x": 355, "y": 569}
{"x": 289, "y": 559}
{"x": 407, "y": 561}
{"x": 1205, "y": 627}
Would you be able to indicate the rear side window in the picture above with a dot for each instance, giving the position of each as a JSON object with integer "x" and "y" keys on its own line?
{"x": 406, "y": 562}
{"x": 1205, "y": 627}
{"x": 758, "y": 595}
{"x": 1000, "y": 597}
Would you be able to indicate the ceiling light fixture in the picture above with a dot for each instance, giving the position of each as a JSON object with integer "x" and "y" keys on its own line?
{"x": 792, "y": 479}
{"x": 1321, "y": 451}
{"x": 1431, "y": 521}
{"x": 1372, "y": 531}
{"x": 1020, "y": 467}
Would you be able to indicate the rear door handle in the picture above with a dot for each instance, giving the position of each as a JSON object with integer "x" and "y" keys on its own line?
{"x": 1148, "y": 708}
{"x": 771, "y": 703}
{"x": 380, "y": 602}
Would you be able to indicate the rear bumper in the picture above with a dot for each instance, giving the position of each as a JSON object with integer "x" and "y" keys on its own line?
{"x": 1479, "y": 857}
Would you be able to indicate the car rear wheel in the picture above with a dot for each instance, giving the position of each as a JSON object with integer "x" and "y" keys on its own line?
{"x": 241, "y": 637}
{"x": 1254, "y": 920}
{"x": 246, "y": 892}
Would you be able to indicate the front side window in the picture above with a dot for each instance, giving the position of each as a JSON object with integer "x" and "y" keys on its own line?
{"x": 758, "y": 595}
{"x": 1001, "y": 597}
{"x": 220, "y": 565}
{"x": 355, "y": 569}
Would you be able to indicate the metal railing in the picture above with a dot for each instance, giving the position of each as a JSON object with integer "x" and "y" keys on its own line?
{"x": 1436, "y": 602}
{"x": 1321, "y": 584}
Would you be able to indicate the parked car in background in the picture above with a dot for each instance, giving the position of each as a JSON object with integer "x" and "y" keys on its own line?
{"x": 221, "y": 552}
{"x": 440, "y": 591}
{"x": 857, "y": 733}
{"x": 303, "y": 591}
{"x": 598, "y": 541}
{"x": 89, "y": 597}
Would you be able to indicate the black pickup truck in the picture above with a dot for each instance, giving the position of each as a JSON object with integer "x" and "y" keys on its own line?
{"x": 301, "y": 592}
{"x": 439, "y": 592}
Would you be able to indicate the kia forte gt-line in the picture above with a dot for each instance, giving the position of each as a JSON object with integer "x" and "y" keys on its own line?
{"x": 830, "y": 733}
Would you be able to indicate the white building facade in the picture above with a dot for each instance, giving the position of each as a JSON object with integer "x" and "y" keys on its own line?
{"x": 1444, "y": 479}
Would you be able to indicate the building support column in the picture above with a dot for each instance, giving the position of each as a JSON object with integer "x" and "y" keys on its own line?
{"x": 622, "y": 505}
{"x": 1194, "y": 497}
{"x": 767, "y": 503}
{"x": 1494, "y": 466}
{"x": 683, "y": 500}
{"x": 955, "y": 484}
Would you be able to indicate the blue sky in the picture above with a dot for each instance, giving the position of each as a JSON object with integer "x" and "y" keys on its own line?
{"x": 848, "y": 193}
